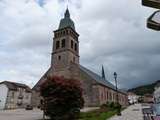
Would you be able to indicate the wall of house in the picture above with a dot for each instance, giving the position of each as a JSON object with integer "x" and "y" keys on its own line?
{"x": 157, "y": 95}
{"x": 3, "y": 96}
{"x": 11, "y": 100}
{"x": 27, "y": 99}
{"x": 17, "y": 99}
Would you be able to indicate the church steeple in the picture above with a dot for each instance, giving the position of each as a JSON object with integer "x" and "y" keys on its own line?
{"x": 66, "y": 45}
{"x": 103, "y": 73}
{"x": 66, "y": 21}
{"x": 67, "y": 14}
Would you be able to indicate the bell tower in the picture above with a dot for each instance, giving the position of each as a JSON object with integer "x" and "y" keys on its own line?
{"x": 65, "y": 45}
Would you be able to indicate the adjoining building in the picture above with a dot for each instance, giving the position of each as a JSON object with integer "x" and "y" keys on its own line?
{"x": 148, "y": 98}
{"x": 14, "y": 95}
{"x": 132, "y": 98}
{"x": 157, "y": 93}
{"x": 65, "y": 62}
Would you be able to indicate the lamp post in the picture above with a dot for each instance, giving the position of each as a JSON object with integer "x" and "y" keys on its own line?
{"x": 115, "y": 77}
{"x": 117, "y": 98}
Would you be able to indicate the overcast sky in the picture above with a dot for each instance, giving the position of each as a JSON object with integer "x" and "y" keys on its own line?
{"x": 112, "y": 33}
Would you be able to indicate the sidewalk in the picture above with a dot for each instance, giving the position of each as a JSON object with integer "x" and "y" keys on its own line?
{"x": 133, "y": 112}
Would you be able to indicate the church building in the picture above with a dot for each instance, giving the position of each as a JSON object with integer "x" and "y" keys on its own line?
{"x": 65, "y": 62}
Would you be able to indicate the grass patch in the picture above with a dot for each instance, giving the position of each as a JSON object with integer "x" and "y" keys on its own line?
{"x": 97, "y": 115}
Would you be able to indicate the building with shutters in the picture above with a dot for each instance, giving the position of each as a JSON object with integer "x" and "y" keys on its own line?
{"x": 14, "y": 95}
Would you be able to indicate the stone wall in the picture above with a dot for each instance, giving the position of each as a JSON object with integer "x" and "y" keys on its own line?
{"x": 90, "y": 91}
{"x": 107, "y": 94}
{"x": 16, "y": 100}
{"x": 35, "y": 101}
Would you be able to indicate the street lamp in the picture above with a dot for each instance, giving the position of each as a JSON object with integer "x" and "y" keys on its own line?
{"x": 153, "y": 21}
{"x": 117, "y": 99}
{"x": 115, "y": 77}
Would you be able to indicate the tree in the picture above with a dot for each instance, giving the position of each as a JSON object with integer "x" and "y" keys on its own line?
{"x": 62, "y": 98}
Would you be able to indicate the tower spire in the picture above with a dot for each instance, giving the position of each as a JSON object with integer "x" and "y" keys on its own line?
{"x": 103, "y": 73}
{"x": 66, "y": 21}
{"x": 67, "y": 14}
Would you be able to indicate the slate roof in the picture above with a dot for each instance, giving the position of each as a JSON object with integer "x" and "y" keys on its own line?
{"x": 93, "y": 75}
{"x": 99, "y": 79}
{"x": 42, "y": 79}
{"x": 15, "y": 86}
{"x": 66, "y": 21}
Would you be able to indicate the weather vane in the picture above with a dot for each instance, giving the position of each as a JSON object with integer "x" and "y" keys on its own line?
{"x": 67, "y": 3}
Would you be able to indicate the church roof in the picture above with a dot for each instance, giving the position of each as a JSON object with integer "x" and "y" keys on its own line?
{"x": 15, "y": 86}
{"x": 96, "y": 77}
{"x": 42, "y": 79}
{"x": 66, "y": 21}
{"x": 90, "y": 73}
{"x": 99, "y": 79}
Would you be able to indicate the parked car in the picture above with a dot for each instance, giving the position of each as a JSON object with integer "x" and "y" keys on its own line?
{"x": 29, "y": 107}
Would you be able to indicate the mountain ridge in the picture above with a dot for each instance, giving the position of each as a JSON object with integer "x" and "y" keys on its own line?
{"x": 145, "y": 89}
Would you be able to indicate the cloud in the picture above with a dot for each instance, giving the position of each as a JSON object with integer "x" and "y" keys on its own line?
{"x": 112, "y": 34}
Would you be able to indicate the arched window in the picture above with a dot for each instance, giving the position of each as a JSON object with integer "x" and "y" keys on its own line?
{"x": 74, "y": 59}
{"x": 63, "y": 32}
{"x": 63, "y": 43}
{"x": 75, "y": 47}
{"x": 72, "y": 44}
{"x": 59, "y": 57}
{"x": 57, "y": 44}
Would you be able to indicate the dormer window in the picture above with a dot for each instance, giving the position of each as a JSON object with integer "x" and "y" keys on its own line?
{"x": 63, "y": 43}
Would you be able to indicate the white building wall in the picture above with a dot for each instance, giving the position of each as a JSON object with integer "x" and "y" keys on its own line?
{"x": 157, "y": 95}
{"x": 3, "y": 96}
{"x": 10, "y": 100}
{"x": 27, "y": 99}
{"x": 13, "y": 99}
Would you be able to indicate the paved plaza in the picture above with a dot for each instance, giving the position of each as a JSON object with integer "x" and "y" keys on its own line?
{"x": 133, "y": 112}
{"x": 21, "y": 114}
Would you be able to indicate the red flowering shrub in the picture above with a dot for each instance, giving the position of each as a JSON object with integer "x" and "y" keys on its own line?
{"x": 62, "y": 98}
